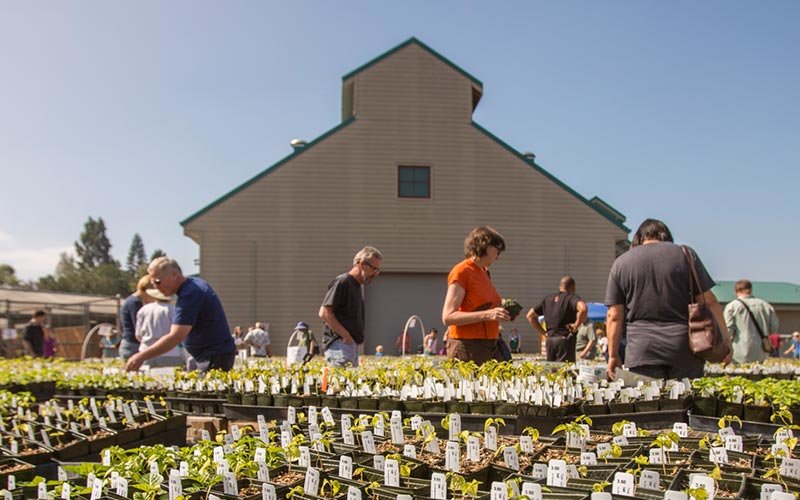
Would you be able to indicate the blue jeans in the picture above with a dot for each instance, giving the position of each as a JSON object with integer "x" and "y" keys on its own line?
{"x": 127, "y": 348}
{"x": 340, "y": 354}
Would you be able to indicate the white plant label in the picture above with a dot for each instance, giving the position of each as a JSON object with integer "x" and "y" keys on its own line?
{"x": 396, "y": 428}
{"x": 286, "y": 438}
{"x": 623, "y": 484}
{"x": 499, "y": 491}
{"x": 511, "y": 458}
{"x": 675, "y": 495}
{"x": 154, "y": 468}
{"x": 90, "y": 480}
{"x": 268, "y": 492}
{"x": 128, "y": 413}
{"x": 218, "y": 455}
{"x": 409, "y": 451}
{"x": 705, "y": 482}
{"x": 229, "y": 485}
{"x": 45, "y": 438}
{"x": 313, "y": 416}
{"x": 656, "y": 456}
{"x": 572, "y": 472}
{"x": 603, "y": 450}
{"x": 378, "y": 461}
{"x": 14, "y": 447}
{"x": 260, "y": 455}
{"x": 588, "y": 458}
{"x": 134, "y": 409}
{"x": 291, "y": 415}
{"x": 346, "y": 422}
{"x": 767, "y": 489}
{"x": 62, "y": 474}
{"x": 455, "y": 426}
{"x": 532, "y": 490}
{"x": 438, "y": 486}
{"x": 327, "y": 416}
{"x": 620, "y": 440}
{"x": 490, "y": 438}
{"x": 122, "y": 487}
{"x": 348, "y": 437}
{"x": 346, "y": 467}
{"x": 106, "y": 461}
{"x": 719, "y": 455}
{"x": 380, "y": 426}
{"x": 12, "y": 482}
{"x": 263, "y": 471}
{"x": 681, "y": 429}
{"x": 779, "y": 495}
{"x": 557, "y": 473}
{"x": 779, "y": 450}
{"x": 600, "y": 495}
{"x": 416, "y": 420}
{"x": 183, "y": 468}
{"x": 41, "y": 492}
{"x": 391, "y": 470}
{"x": 540, "y": 471}
{"x": 235, "y": 433}
{"x": 782, "y": 435}
{"x": 452, "y": 456}
{"x": 473, "y": 449}
{"x": 368, "y": 442}
{"x": 353, "y": 493}
{"x": 726, "y": 431}
{"x": 649, "y": 480}
{"x": 305, "y": 456}
{"x": 311, "y": 484}
{"x": 526, "y": 444}
{"x": 629, "y": 430}
{"x": 150, "y": 408}
{"x": 205, "y": 435}
{"x": 228, "y": 439}
{"x": 574, "y": 440}
{"x": 790, "y": 467}
{"x": 66, "y": 491}
{"x": 175, "y": 486}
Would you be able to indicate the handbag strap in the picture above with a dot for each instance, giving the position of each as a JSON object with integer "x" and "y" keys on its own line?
{"x": 753, "y": 318}
{"x": 694, "y": 280}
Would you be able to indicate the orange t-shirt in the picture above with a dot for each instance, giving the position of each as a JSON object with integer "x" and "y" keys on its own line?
{"x": 480, "y": 295}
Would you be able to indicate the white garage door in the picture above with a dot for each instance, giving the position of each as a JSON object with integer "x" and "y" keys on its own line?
{"x": 393, "y": 298}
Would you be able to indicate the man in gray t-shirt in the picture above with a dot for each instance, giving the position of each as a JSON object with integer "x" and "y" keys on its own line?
{"x": 649, "y": 292}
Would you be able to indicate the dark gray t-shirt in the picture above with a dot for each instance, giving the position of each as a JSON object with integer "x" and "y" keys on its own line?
{"x": 652, "y": 281}
{"x": 344, "y": 297}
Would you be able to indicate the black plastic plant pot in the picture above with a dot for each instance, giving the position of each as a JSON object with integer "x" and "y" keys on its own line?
{"x": 234, "y": 398}
{"x": 350, "y": 403}
{"x": 153, "y": 427}
{"x": 481, "y": 408}
{"x": 294, "y": 400}
{"x": 22, "y": 471}
{"x": 390, "y": 404}
{"x": 279, "y": 400}
{"x": 504, "y": 408}
{"x": 674, "y": 404}
{"x": 311, "y": 400}
{"x": 413, "y": 406}
{"x": 757, "y": 413}
{"x": 365, "y": 403}
{"x": 435, "y": 407}
{"x": 725, "y": 408}
{"x": 592, "y": 409}
{"x": 563, "y": 410}
{"x": 329, "y": 401}
{"x": 620, "y": 408}
{"x": 264, "y": 399}
{"x": 705, "y": 406}
{"x": 730, "y": 484}
{"x": 34, "y": 453}
{"x": 460, "y": 407}
{"x": 751, "y": 488}
{"x": 642, "y": 406}
{"x": 249, "y": 399}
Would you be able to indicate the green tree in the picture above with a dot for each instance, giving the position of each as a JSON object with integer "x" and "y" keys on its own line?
{"x": 8, "y": 275}
{"x": 137, "y": 258}
{"x": 157, "y": 253}
{"x": 94, "y": 248}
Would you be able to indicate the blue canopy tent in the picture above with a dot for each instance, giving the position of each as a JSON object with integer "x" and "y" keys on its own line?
{"x": 597, "y": 311}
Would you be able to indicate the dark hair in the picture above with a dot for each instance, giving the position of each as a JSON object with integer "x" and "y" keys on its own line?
{"x": 433, "y": 330}
{"x": 39, "y": 314}
{"x": 480, "y": 239}
{"x": 743, "y": 285}
{"x": 651, "y": 229}
{"x": 567, "y": 281}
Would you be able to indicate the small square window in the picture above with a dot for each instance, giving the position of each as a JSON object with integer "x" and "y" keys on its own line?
{"x": 414, "y": 182}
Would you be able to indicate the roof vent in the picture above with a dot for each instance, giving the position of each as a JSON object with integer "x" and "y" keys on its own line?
{"x": 298, "y": 144}
{"x": 529, "y": 156}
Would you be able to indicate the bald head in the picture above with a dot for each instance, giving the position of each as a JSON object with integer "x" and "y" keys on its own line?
{"x": 567, "y": 284}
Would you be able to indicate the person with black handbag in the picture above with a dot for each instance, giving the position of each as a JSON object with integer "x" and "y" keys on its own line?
{"x": 750, "y": 321}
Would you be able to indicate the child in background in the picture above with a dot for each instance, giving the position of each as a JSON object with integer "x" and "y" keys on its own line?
{"x": 379, "y": 350}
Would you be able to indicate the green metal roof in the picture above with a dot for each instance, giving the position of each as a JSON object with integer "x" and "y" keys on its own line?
{"x": 774, "y": 292}
{"x": 269, "y": 169}
{"x": 617, "y": 221}
{"x": 422, "y": 45}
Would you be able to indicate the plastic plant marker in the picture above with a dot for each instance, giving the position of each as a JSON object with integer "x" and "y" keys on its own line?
{"x": 346, "y": 467}
{"x": 311, "y": 483}
{"x": 391, "y": 471}
{"x": 263, "y": 471}
{"x": 305, "y": 456}
{"x": 175, "y": 486}
{"x": 526, "y": 444}
{"x": 780, "y": 495}
{"x": 681, "y": 429}
{"x": 499, "y": 491}
{"x": 11, "y": 483}
{"x": 600, "y": 495}
{"x": 353, "y": 493}
{"x": 122, "y": 487}
{"x": 790, "y": 467}
{"x": 455, "y": 426}
{"x": 41, "y": 492}
{"x": 368, "y": 442}
{"x": 620, "y": 440}
{"x": 409, "y": 451}
{"x": 540, "y": 471}
{"x": 396, "y": 429}
{"x": 313, "y": 416}
{"x": 532, "y": 490}
{"x": 438, "y": 486}
{"x": 511, "y": 458}
{"x": 66, "y": 491}
{"x": 268, "y": 492}
{"x": 767, "y": 489}
{"x": 719, "y": 455}
{"x": 378, "y": 462}
{"x": 473, "y": 449}
{"x": 705, "y": 482}
{"x": 490, "y": 438}
{"x": 380, "y": 426}
{"x": 649, "y": 480}
{"x": 452, "y": 456}
{"x": 623, "y": 484}
{"x": 327, "y": 415}
{"x": 557, "y": 473}
{"x": 656, "y": 456}
{"x": 602, "y": 449}
{"x": 734, "y": 443}
{"x": 588, "y": 458}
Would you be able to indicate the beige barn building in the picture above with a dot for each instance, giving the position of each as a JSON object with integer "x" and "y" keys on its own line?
{"x": 408, "y": 171}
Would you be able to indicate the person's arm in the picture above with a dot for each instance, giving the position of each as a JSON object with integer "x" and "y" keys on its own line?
{"x": 176, "y": 335}
{"x": 614, "y": 322}
{"x": 28, "y": 348}
{"x": 730, "y": 320}
{"x": 774, "y": 324}
{"x": 716, "y": 310}
{"x": 790, "y": 350}
{"x": 326, "y": 314}
{"x": 590, "y": 345}
{"x": 452, "y": 316}
{"x": 581, "y": 316}
{"x": 533, "y": 319}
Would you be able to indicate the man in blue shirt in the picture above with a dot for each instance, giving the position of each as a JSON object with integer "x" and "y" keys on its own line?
{"x": 199, "y": 320}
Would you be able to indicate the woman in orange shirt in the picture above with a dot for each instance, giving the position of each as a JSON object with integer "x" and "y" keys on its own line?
{"x": 472, "y": 309}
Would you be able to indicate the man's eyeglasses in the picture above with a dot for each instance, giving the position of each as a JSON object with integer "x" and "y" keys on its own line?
{"x": 376, "y": 269}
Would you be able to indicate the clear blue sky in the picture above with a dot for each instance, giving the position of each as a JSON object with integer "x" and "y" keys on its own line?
{"x": 143, "y": 112}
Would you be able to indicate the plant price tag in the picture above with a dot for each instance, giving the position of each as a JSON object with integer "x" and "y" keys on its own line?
{"x": 263, "y": 471}
{"x": 286, "y": 438}
{"x": 557, "y": 473}
{"x": 703, "y": 481}
{"x": 218, "y": 454}
{"x": 623, "y": 484}
{"x": 378, "y": 461}
{"x": 767, "y": 489}
{"x": 409, "y": 451}
{"x": 790, "y": 467}
{"x": 603, "y": 449}
{"x": 396, "y": 427}
{"x": 649, "y": 480}
{"x": 229, "y": 485}
{"x": 12, "y": 482}
{"x": 45, "y": 438}
{"x": 675, "y": 495}
{"x": 656, "y": 456}
{"x": 452, "y": 456}
{"x": 112, "y": 417}
{"x": 490, "y": 438}
{"x": 205, "y": 435}
{"x": 391, "y": 471}
{"x": 782, "y": 435}
{"x": 526, "y": 444}
{"x": 532, "y": 490}
{"x": 473, "y": 449}
{"x": 175, "y": 486}
{"x": 128, "y": 413}
{"x": 455, "y": 426}
{"x": 122, "y": 487}
{"x": 106, "y": 460}
{"x": 368, "y": 442}
{"x": 260, "y": 455}
{"x": 327, "y": 416}
{"x": 719, "y": 455}
{"x": 620, "y": 440}
{"x": 438, "y": 486}
{"x": 305, "y": 456}
{"x": 348, "y": 437}
{"x": 600, "y": 495}
{"x": 150, "y": 408}
{"x": 311, "y": 484}
{"x": 511, "y": 458}
{"x": 726, "y": 431}
{"x": 540, "y": 471}
{"x": 416, "y": 421}
{"x": 346, "y": 423}
{"x": 380, "y": 426}
{"x": 681, "y": 429}
{"x": 499, "y": 491}
{"x": 779, "y": 495}
{"x": 353, "y": 493}
{"x": 734, "y": 443}
{"x": 588, "y": 458}
{"x": 313, "y": 417}
{"x": 346, "y": 467}
{"x": 41, "y": 492}
{"x": 235, "y": 433}
{"x": 291, "y": 415}
{"x": 629, "y": 430}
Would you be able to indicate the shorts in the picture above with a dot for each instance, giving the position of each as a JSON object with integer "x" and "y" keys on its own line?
{"x": 340, "y": 354}
{"x": 561, "y": 348}
{"x": 477, "y": 350}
